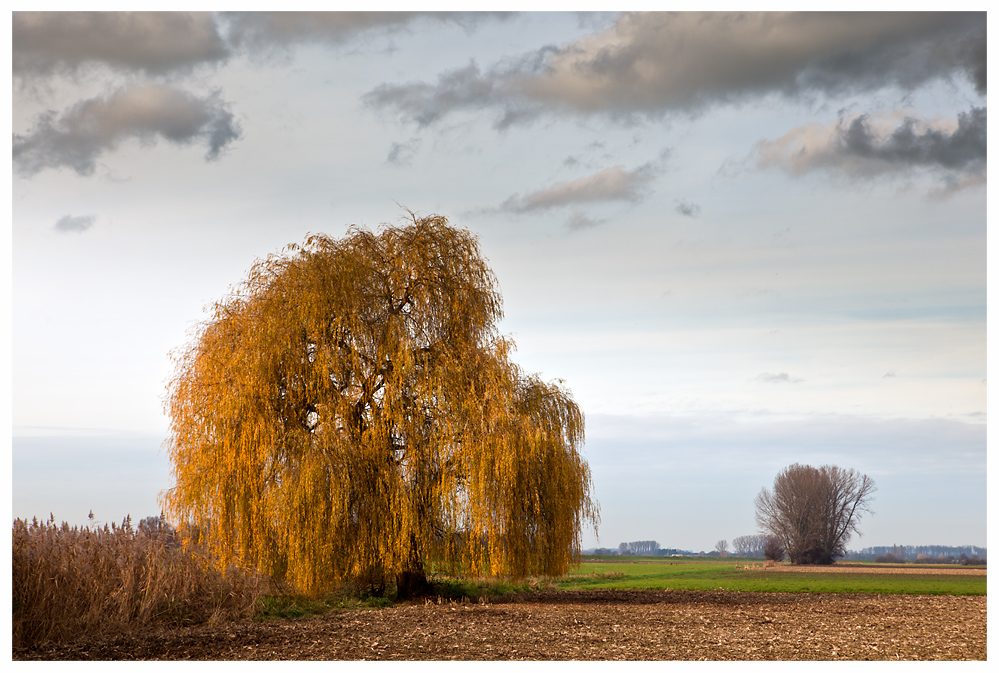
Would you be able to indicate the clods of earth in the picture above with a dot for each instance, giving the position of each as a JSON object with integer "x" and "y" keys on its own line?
{"x": 585, "y": 625}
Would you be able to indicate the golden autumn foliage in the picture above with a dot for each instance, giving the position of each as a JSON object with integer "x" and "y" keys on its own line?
{"x": 350, "y": 412}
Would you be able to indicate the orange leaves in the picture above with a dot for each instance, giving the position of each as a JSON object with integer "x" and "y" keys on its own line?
{"x": 350, "y": 410}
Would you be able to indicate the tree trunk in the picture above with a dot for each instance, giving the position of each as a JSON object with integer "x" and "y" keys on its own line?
{"x": 412, "y": 582}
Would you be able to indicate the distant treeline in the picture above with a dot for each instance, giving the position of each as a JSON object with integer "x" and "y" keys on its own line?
{"x": 918, "y": 552}
{"x": 639, "y": 548}
{"x": 751, "y": 546}
{"x": 662, "y": 551}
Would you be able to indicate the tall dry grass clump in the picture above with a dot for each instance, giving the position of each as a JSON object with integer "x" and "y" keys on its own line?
{"x": 70, "y": 582}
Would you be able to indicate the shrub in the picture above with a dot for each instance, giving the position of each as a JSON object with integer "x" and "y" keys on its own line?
{"x": 888, "y": 558}
{"x": 69, "y": 582}
{"x": 773, "y": 550}
{"x": 930, "y": 559}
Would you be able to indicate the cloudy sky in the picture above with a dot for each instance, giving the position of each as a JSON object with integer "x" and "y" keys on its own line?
{"x": 742, "y": 241}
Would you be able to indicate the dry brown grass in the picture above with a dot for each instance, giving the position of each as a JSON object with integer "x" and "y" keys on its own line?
{"x": 70, "y": 582}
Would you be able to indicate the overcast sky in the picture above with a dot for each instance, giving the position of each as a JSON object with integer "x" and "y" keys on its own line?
{"x": 742, "y": 241}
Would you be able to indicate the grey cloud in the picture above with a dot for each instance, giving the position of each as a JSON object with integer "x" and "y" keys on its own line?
{"x": 401, "y": 154}
{"x": 516, "y": 115}
{"x": 74, "y": 223}
{"x": 861, "y": 147}
{"x": 267, "y": 29}
{"x": 579, "y": 221}
{"x": 783, "y": 377}
{"x": 459, "y": 89}
{"x": 611, "y": 184}
{"x": 688, "y": 209}
{"x": 663, "y": 61}
{"x": 157, "y": 43}
{"x": 284, "y": 28}
{"x": 78, "y": 137}
{"x": 975, "y": 54}
{"x": 654, "y": 63}
{"x": 964, "y": 147}
{"x": 152, "y": 42}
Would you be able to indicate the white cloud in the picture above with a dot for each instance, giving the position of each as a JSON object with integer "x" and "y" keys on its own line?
{"x": 611, "y": 184}
{"x": 783, "y": 377}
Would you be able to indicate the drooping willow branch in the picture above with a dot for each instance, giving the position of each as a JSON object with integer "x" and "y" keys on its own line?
{"x": 350, "y": 411}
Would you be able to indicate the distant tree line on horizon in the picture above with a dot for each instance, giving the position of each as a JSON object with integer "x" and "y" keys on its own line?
{"x": 639, "y": 548}
{"x": 652, "y": 548}
{"x": 918, "y": 552}
{"x": 754, "y": 546}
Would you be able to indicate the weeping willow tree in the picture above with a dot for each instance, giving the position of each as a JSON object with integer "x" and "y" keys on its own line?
{"x": 350, "y": 412}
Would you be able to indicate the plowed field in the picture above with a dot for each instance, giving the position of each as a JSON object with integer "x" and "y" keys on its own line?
{"x": 588, "y": 625}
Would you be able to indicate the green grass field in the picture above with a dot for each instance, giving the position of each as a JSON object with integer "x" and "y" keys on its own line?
{"x": 714, "y": 574}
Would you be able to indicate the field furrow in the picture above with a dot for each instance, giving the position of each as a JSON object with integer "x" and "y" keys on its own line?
{"x": 588, "y": 625}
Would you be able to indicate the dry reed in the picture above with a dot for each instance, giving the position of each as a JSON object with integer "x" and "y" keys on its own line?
{"x": 70, "y": 582}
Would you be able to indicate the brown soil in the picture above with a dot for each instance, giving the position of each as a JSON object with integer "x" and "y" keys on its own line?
{"x": 587, "y": 625}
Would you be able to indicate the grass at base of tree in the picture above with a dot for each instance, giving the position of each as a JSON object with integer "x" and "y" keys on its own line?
{"x": 722, "y": 574}
{"x": 481, "y": 589}
{"x": 443, "y": 588}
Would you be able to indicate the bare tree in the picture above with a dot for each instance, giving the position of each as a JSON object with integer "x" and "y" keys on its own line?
{"x": 814, "y": 511}
{"x": 749, "y": 546}
{"x": 722, "y": 547}
{"x": 640, "y": 548}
